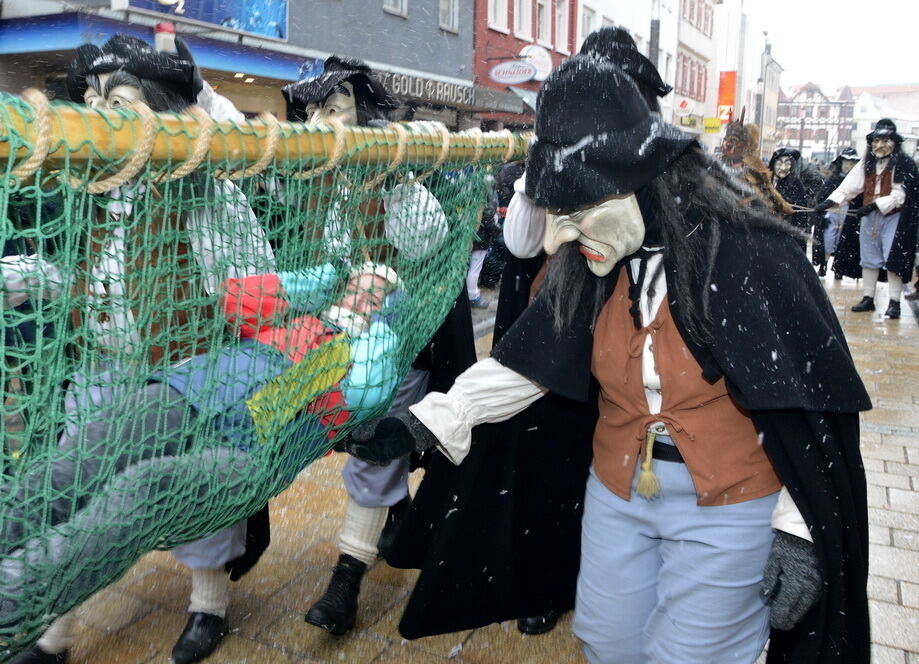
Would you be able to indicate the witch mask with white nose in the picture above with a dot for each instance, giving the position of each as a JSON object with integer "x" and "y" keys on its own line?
{"x": 339, "y": 105}
{"x": 783, "y": 167}
{"x": 882, "y": 147}
{"x": 607, "y": 231}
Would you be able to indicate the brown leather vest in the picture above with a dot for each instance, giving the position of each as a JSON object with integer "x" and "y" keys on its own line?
{"x": 716, "y": 438}
{"x": 869, "y": 196}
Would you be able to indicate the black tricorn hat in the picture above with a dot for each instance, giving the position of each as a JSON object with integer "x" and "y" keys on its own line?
{"x": 885, "y": 128}
{"x": 617, "y": 45}
{"x": 595, "y": 136}
{"x": 784, "y": 152}
{"x": 136, "y": 57}
{"x": 847, "y": 154}
{"x": 337, "y": 69}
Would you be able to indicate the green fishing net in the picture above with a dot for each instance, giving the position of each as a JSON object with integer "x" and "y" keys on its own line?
{"x": 192, "y": 313}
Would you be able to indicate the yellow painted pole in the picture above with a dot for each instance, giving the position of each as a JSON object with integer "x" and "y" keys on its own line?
{"x": 78, "y": 134}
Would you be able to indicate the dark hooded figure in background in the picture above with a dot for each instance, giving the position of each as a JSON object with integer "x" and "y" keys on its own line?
{"x": 838, "y": 230}
{"x": 727, "y": 491}
{"x": 499, "y": 537}
{"x": 785, "y": 166}
{"x": 888, "y": 182}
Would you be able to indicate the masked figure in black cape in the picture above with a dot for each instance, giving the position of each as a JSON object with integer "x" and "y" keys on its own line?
{"x": 347, "y": 91}
{"x": 785, "y": 166}
{"x": 124, "y": 70}
{"x": 838, "y": 229}
{"x": 721, "y": 415}
{"x": 525, "y": 495}
{"x": 888, "y": 182}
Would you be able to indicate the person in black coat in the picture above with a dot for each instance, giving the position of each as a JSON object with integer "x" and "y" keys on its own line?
{"x": 664, "y": 230}
{"x": 829, "y": 230}
{"x": 785, "y": 166}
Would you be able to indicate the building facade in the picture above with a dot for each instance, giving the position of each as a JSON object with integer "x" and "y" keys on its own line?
{"x": 744, "y": 49}
{"x": 653, "y": 24}
{"x": 540, "y": 33}
{"x": 423, "y": 49}
{"x": 695, "y": 86}
{"x": 816, "y": 124}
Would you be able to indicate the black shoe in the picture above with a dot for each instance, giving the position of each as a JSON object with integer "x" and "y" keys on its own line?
{"x": 538, "y": 624}
{"x": 202, "y": 634}
{"x": 336, "y": 610}
{"x": 837, "y": 276}
{"x": 36, "y": 655}
{"x": 393, "y": 518}
{"x": 893, "y": 309}
{"x": 866, "y": 304}
{"x": 822, "y": 271}
{"x": 913, "y": 295}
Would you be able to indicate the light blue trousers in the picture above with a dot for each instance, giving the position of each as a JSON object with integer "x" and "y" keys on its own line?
{"x": 666, "y": 581}
{"x": 875, "y": 238}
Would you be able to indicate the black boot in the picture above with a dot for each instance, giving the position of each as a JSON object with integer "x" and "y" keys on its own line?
{"x": 395, "y": 516}
{"x": 893, "y": 309}
{"x": 822, "y": 271}
{"x": 36, "y": 655}
{"x": 336, "y": 610}
{"x": 538, "y": 624}
{"x": 202, "y": 634}
{"x": 866, "y": 304}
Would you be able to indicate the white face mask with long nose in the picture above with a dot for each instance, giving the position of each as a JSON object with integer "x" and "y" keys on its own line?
{"x": 339, "y": 106}
{"x": 607, "y": 232}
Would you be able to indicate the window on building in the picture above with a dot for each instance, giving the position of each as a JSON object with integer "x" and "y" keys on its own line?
{"x": 588, "y": 21}
{"x": 709, "y": 15}
{"x": 399, "y": 7}
{"x": 668, "y": 68}
{"x": 561, "y": 25}
{"x": 497, "y": 14}
{"x": 692, "y": 11}
{"x": 543, "y": 21}
{"x": 449, "y": 15}
{"x": 523, "y": 18}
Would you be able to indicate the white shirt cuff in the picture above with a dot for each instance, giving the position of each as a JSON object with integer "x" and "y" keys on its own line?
{"x": 788, "y": 519}
{"x": 486, "y": 392}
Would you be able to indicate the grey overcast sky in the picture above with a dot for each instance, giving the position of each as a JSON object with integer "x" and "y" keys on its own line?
{"x": 842, "y": 42}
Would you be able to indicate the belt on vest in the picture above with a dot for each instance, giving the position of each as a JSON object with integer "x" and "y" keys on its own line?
{"x": 666, "y": 452}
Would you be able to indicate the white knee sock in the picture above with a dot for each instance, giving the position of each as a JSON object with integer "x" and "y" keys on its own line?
{"x": 210, "y": 591}
{"x": 361, "y": 530}
{"x": 60, "y": 635}
{"x": 869, "y": 280}
{"x": 894, "y": 286}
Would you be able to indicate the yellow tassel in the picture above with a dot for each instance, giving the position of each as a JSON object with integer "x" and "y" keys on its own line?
{"x": 648, "y": 485}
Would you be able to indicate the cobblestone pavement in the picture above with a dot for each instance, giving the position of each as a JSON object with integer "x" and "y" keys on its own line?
{"x": 137, "y": 619}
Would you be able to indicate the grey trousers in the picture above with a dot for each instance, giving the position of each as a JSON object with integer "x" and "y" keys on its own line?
{"x": 383, "y": 486}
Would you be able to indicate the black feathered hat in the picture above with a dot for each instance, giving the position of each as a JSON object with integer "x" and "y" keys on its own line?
{"x": 885, "y": 128}
{"x": 595, "y": 136}
{"x": 847, "y": 154}
{"x": 322, "y": 81}
{"x": 138, "y": 58}
{"x": 617, "y": 45}
{"x": 784, "y": 152}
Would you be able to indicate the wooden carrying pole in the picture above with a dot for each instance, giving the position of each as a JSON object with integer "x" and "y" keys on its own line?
{"x": 71, "y": 135}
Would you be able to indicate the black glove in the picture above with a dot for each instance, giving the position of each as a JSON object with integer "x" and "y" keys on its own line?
{"x": 866, "y": 209}
{"x": 792, "y": 582}
{"x": 383, "y": 439}
{"x": 824, "y": 206}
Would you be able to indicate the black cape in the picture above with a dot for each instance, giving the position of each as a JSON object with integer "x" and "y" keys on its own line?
{"x": 520, "y": 490}
{"x": 902, "y": 254}
{"x": 778, "y": 344}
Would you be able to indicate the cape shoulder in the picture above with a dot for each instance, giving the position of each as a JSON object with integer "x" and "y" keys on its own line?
{"x": 775, "y": 335}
